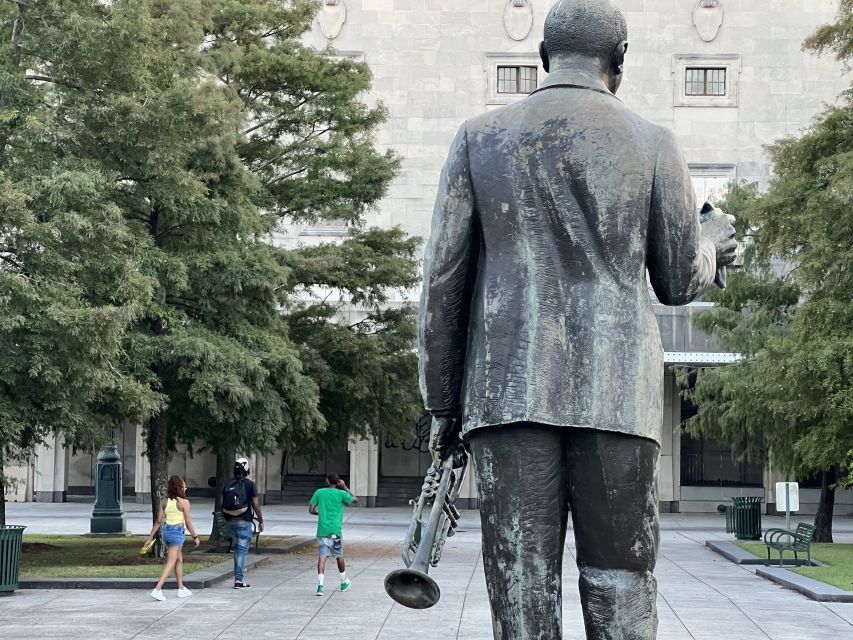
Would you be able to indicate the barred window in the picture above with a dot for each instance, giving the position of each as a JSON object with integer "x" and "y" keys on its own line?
{"x": 517, "y": 79}
{"x": 326, "y": 227}
{"x": 701, "y": 81}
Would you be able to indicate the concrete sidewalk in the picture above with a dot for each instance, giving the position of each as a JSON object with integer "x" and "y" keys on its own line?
{"x": 701, "y": 595}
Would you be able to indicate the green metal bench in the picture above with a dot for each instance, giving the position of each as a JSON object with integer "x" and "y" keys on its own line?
{"x": 223, "y": 530}
{"x": 798, "y": 541}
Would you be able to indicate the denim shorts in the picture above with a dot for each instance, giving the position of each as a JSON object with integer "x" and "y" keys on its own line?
{"x": 331, "y": 547}
{"x": 173, "y": 535}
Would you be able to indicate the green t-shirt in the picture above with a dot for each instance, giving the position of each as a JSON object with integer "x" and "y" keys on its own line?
{"x": 330, "y": 503}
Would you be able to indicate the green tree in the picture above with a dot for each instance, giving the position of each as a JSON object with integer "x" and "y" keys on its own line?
{"x": 308, "y": 140}
{"x": 213, "y": 124}
{"x": 70, "y": 277}
{"x": 790, "y": 398}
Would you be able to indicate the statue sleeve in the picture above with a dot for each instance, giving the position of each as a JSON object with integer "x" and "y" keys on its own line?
{"x": 450, "y": 263}
{"x": 681, "y": 263}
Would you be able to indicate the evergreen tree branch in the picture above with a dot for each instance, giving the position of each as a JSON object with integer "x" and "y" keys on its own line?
{"x": 42, "y": 78}
{"x": 17, "y": 33}
{"x": 17, "y": 265}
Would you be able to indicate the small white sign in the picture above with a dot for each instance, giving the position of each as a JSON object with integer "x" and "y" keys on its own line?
{"x": 793, "y": 496}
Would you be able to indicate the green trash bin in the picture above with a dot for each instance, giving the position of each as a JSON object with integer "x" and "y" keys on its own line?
{"x": 743, "y": 518}
{"x": 11, "y": 538}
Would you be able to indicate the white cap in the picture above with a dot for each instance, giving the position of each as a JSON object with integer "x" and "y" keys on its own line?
{"x": 242, "y": 462}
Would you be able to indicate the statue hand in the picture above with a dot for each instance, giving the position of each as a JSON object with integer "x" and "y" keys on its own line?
{"x": 718, "y": 227}
{"x": 444, "y": 433}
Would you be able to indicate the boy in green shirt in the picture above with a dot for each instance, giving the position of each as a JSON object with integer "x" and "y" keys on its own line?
{"x": 328, "y": 503}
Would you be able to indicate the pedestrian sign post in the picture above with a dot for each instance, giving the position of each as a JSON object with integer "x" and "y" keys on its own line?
{"x": 787, "y": 499}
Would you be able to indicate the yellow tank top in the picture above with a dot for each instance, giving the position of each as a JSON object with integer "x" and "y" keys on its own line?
{"x": 173, "y": 514}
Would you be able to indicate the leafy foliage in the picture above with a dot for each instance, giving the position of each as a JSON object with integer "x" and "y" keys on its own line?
{"x": 836, "y": 37}
{"x": 70, "y": 271}
{"x": 789, "y": 312}
{"x": 162, "y": 144}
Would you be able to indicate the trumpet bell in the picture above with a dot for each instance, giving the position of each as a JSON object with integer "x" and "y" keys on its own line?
{"x": 413, "y": 589}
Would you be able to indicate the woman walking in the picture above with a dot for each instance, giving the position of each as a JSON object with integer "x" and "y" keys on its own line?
{"x": 176, "y": 511}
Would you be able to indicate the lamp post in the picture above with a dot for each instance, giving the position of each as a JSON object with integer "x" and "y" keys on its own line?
{"x": 108, "y": 516}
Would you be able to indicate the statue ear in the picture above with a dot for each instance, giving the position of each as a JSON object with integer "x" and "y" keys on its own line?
{"x": 617, "y": 58}
{"x": 543, "y": 53}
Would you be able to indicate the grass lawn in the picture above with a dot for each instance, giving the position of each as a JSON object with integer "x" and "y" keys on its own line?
{"x": 837, "y": 558}
{"x": 47, "y": 556}
{"x": 273, "y": 541}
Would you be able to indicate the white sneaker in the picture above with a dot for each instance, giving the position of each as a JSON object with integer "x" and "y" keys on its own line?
{"x": 157, "y": 594}
{"x": 184, "y": 593}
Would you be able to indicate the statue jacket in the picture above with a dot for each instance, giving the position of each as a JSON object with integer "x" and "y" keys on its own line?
{"x": 535, "y": 304}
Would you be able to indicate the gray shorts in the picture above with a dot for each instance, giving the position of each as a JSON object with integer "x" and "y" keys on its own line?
{"x": 331, "y": 547}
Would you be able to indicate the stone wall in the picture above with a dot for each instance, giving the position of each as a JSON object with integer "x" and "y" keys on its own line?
{"x": 429, "y": 60}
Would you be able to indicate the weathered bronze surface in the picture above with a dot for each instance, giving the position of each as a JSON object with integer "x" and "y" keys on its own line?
{"x": 538, "y": 341}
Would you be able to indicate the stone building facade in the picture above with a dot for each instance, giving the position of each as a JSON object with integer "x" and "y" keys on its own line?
{"x": 729, "y": 76}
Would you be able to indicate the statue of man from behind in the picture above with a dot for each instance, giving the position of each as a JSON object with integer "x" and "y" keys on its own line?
{"x": 538, "y": 341}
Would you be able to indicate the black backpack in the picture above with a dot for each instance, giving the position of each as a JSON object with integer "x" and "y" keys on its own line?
{"x": 235, "y": 502}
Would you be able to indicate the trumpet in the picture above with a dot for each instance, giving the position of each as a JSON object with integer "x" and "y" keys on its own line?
{"x": 413, "y": 587}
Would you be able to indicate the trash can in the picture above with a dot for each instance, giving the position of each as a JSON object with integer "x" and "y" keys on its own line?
{"x": 11, "y": 538}
{"x": 743, "y": 518}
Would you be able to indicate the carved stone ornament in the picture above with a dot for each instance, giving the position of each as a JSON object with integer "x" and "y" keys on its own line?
{"x": 707, "y": 18}
{"x": 333, "y": 14}
{"x": 518, "y": 18}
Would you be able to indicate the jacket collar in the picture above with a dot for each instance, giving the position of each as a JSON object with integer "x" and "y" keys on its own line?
{"x": 574, "y": 79}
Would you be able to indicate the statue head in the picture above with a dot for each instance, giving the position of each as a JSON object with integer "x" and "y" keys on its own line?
{"x": 586, "y": 34}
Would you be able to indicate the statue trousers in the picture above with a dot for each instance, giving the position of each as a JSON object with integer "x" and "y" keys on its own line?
{"x": 529, "y": 476}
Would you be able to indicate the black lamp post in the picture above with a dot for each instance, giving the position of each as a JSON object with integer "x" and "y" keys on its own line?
{"x": 108, "y": 516}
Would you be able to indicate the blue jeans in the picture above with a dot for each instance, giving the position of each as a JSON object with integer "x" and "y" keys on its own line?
{"x": 173, "y": 535}
{"x": 328, "y": 548}
{"x": 242, "y": 532}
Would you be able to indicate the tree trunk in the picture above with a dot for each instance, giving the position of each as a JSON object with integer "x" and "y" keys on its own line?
{"x": 158, "y": 459}
{"x": 224, "y": 468}
{"x": 17, "y": 34}
{"x": 157, "y": 442}
{"x": 157, "y": 445}
{"x": 823, "y": 518}
{"x": 283, "y": 473}
{"x": 2, "y": 494}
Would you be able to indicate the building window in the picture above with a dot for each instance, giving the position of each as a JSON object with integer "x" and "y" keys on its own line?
{"x": 517, "y": 79}
{"x": 705, "y": 82}
{"x": 511, "y": 76}
{"x": 707, "y": 463}
{"x": 326, "y": 227}
{"x": 355, "y": 56}
{"x": 711, "y": 182}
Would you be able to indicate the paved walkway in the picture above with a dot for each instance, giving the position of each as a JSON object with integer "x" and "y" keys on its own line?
{"x": 701, "y": 596}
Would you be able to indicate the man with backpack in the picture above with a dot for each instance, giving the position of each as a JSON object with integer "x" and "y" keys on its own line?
{"x": 239, "y": 504}
{"x": 328, "y": 504}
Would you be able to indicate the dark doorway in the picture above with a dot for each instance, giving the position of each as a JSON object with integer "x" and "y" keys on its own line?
{"x": 303, "y": 476}
{"x": 403, "y": 464}
{"x": 706, "y": 462}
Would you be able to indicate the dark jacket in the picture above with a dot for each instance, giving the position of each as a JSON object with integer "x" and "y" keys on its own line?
{"x": 535, "y": 304}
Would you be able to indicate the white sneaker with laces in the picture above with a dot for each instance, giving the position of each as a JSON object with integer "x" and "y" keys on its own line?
{"x": 157, "y": 594}
{"x": 184, "y": 592}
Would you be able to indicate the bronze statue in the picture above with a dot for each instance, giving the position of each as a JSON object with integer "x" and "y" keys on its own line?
{"x": 538, "y": 341}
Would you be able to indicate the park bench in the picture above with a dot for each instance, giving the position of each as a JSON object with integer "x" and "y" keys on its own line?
{"x": 798, "y": 541}
{"x": 223, "y": 531}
